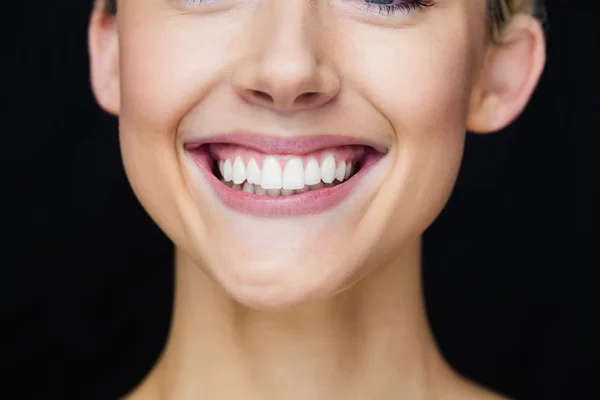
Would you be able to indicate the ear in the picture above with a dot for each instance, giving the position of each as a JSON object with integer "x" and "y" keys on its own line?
{"x": 103, "y": 43}
{"x": 511, "y": 69}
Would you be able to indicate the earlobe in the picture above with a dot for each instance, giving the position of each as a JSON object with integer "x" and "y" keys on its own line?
{"x": 103, "y": 43}
{"x": 511, "y": 70}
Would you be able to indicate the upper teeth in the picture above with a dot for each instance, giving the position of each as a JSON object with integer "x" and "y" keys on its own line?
{"x": 294, "y": 176}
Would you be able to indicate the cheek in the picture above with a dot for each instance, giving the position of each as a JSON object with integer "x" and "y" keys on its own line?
{"x": 169, "y": 65}
{"x": 420, "y": 83}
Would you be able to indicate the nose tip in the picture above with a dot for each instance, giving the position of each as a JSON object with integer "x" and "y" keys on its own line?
{"x": 286, "y": 64}
{"x": 287, "y": 76}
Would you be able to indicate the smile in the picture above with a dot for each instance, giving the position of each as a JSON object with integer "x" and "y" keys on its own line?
{"x": 269, "y": 176}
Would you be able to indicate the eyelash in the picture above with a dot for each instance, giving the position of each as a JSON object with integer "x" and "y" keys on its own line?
{"x": 404, "y": 7}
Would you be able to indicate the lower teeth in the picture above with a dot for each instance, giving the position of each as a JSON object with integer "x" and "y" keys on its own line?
{"x": 258, "y": 190}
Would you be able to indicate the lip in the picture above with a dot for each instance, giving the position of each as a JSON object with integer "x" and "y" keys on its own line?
{"x": 303, "y": 204}
{"x": 296, "y": 145}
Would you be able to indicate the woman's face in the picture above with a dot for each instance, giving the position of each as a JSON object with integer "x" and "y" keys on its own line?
{"x": 383, "y": 87}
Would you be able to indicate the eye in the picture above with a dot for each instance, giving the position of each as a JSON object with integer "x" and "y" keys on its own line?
{"x": 385, "y": 7}
{"x": 206, "y": 5}
{"x": 193, "y": 2}
{"x": 392, "y": 7}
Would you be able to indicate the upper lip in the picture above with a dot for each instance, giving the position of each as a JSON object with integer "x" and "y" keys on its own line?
{"x": 293, "y": 145}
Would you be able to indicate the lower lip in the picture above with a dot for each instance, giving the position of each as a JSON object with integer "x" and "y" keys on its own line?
{"x": 302, "y": 204}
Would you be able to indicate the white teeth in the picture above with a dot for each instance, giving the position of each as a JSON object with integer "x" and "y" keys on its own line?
{"x": 348, "y": 170}
{"x": 340, "y": 171}
{"x": 312, "y": 172}
{"x": 248, "y": 188}
{"x": 271, "y": 177}
{"x": 227, "y": 171}
{"x": 259, "y": 191}
{"x": 253, "y": 172}
{"x": 293, "y": 174}
{"x": 293, "y": 179}
{"x": 328, "y": 169}
{"x": 239, "y": 171}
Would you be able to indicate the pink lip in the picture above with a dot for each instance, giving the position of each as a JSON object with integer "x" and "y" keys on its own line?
{"x": 309, "y": 203}
{"x": 284, "y": 145}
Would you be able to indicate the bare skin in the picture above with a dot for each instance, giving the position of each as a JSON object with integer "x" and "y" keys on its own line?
{"x": 371, "y": 341}
{"x": 326, "y": 306}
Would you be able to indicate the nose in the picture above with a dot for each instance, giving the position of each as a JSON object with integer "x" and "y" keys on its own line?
{"x": 282, "y": 68}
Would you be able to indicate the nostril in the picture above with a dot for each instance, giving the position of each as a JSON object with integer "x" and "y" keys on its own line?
{"x": 260, "y": 95}
{"x": 307, "y": 98}
{"x": 301, "y": 101}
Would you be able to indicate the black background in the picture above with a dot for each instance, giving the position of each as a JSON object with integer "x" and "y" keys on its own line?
{"x": 511, "y": 277}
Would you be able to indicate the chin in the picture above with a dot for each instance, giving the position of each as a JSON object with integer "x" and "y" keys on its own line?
{"x": 279, "y": 281}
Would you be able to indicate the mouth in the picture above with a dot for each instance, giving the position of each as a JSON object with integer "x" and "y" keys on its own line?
{"x": 283, "y": 177}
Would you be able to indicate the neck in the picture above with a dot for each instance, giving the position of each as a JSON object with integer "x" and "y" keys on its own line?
{"x": 370, "y": 341}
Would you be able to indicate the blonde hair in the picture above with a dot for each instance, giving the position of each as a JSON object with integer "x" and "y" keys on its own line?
{"x": 499, "y": 12}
